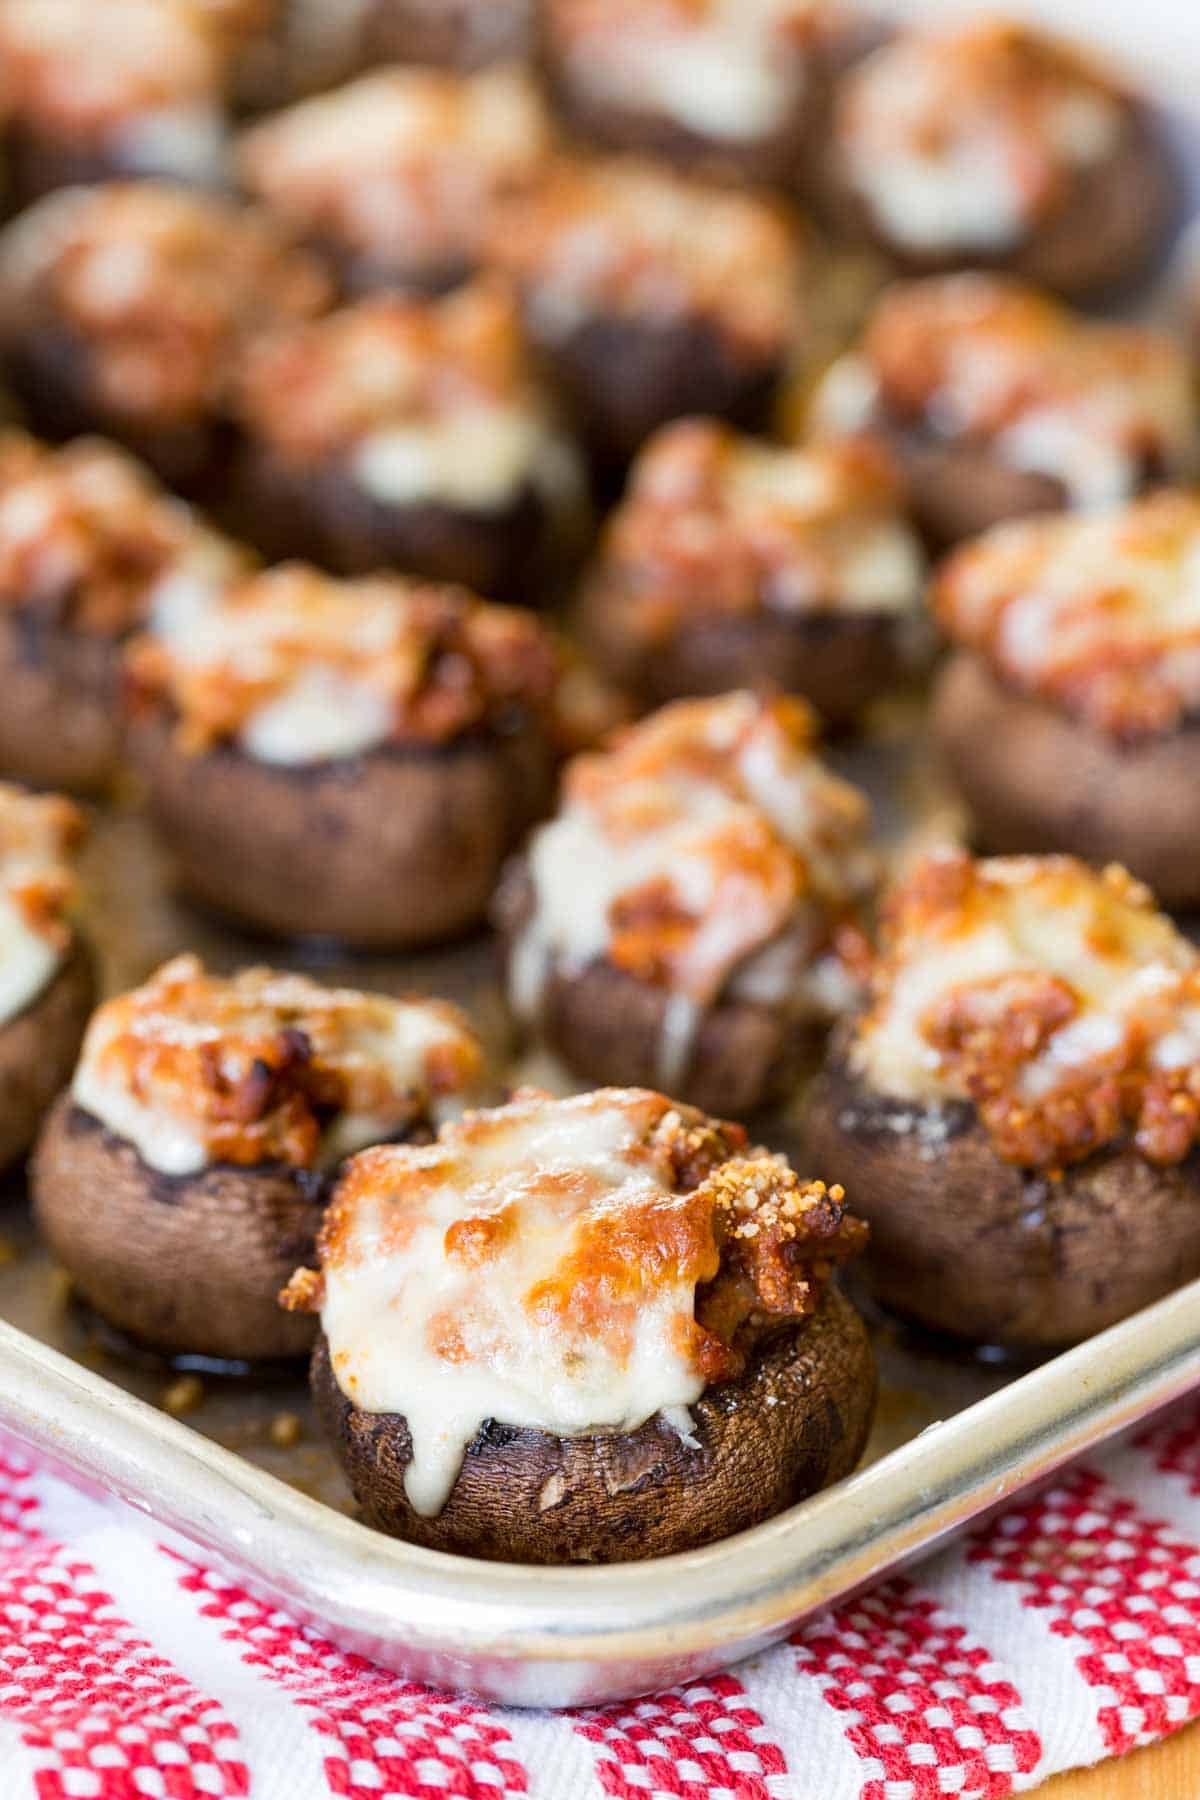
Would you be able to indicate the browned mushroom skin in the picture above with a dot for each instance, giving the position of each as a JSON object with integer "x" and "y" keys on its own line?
{"x": 44, "y": 741}
{"x": 521, "y": 553}
{"x": 839, "y": 662}
{"x": 1035, "y": 779}
{"x": 395, "y": 847}
{"x": 782, "y": 158}
{"x": 47, "y": 369}
{"x": 178, "y": 1263}
{"x": 38, "y": 1047}
{"x": 608, "y": 1027}
{"x": 457, "y": 34}
{"x": 621, "y": 378}
{"x": 1111, "y": 229}
{"x": 795, "y": 1421}
{"x": 956, "y": 491}
{"x": 964, "y": 1243}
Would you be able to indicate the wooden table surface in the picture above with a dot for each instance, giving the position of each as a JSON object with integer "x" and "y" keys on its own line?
{"x": 1168, "y": 1771}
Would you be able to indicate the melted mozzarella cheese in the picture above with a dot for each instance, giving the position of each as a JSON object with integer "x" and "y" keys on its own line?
{"x": 476, "y": 459}
{"x": 393, "y": 1036}
{"x": 417, "y": 1330}
{"x": 687, "y": 844}
{"x": 28, "y": 959}
{"x": 1036, "y": 917}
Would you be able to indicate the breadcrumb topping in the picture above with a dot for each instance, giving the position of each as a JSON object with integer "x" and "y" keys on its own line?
{"x": 1056, "y": 999}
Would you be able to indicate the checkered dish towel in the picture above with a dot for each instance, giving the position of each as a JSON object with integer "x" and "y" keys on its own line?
{"x": 1068, "y": 1630}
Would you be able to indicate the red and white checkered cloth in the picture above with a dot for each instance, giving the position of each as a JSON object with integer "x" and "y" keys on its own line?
{"x": 1067, "y": 1631}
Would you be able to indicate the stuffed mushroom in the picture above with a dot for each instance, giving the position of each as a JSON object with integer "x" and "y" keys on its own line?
{"x": 734, "y": 562}
{"x": 346, "y": 759}
{"x": 46, "y": 978}
{"x": 409, "y": 433}
{"x": 650, "y": 295}
{"x": 124, "y": 307}
{"x": 1019, "y": 1104}
{"x": 395, "y": 176}
{"x": 184, "y": 1174}
{"x": 987, "y": 144}
{"x": 737, "y": 89}
{"x": 128, "y": 88}
{"x": 586, "y": 1330}
{"x": 1000, "y": 402}
{"x": 1067, "y": 715}
{"x": 90, "y": 548}
{"x": 690, "y": 917}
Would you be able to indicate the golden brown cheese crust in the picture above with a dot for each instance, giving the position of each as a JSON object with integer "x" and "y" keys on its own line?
{"x": 1029, "y": 110}
{"x": 158, "y": 288}
{"x": 403, "y": 166}
{"x": 759, "y": 1244}
{"x": 715, "y": 524}
{"x": 40, "y": 835}
{"x": 314, "y": 390}
{"x": 1098, "y": 615}
{"x": 1055, "y": 999}
{"x": 75, "y": 69}
{"x": 437, "y": 661}
{"x": 598, "y": 237}
{"x": 86, "y": 533}
{"x": 257, "y": 1067}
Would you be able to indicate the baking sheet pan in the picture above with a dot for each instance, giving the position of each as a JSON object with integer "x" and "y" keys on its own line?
{"x": 237, "y": 1466}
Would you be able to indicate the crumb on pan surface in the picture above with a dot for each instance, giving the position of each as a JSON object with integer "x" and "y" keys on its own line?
{"x": 571, "y": 1265}
{"x": 1055, "y": 998}
{"x": 266, "y": 1067}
